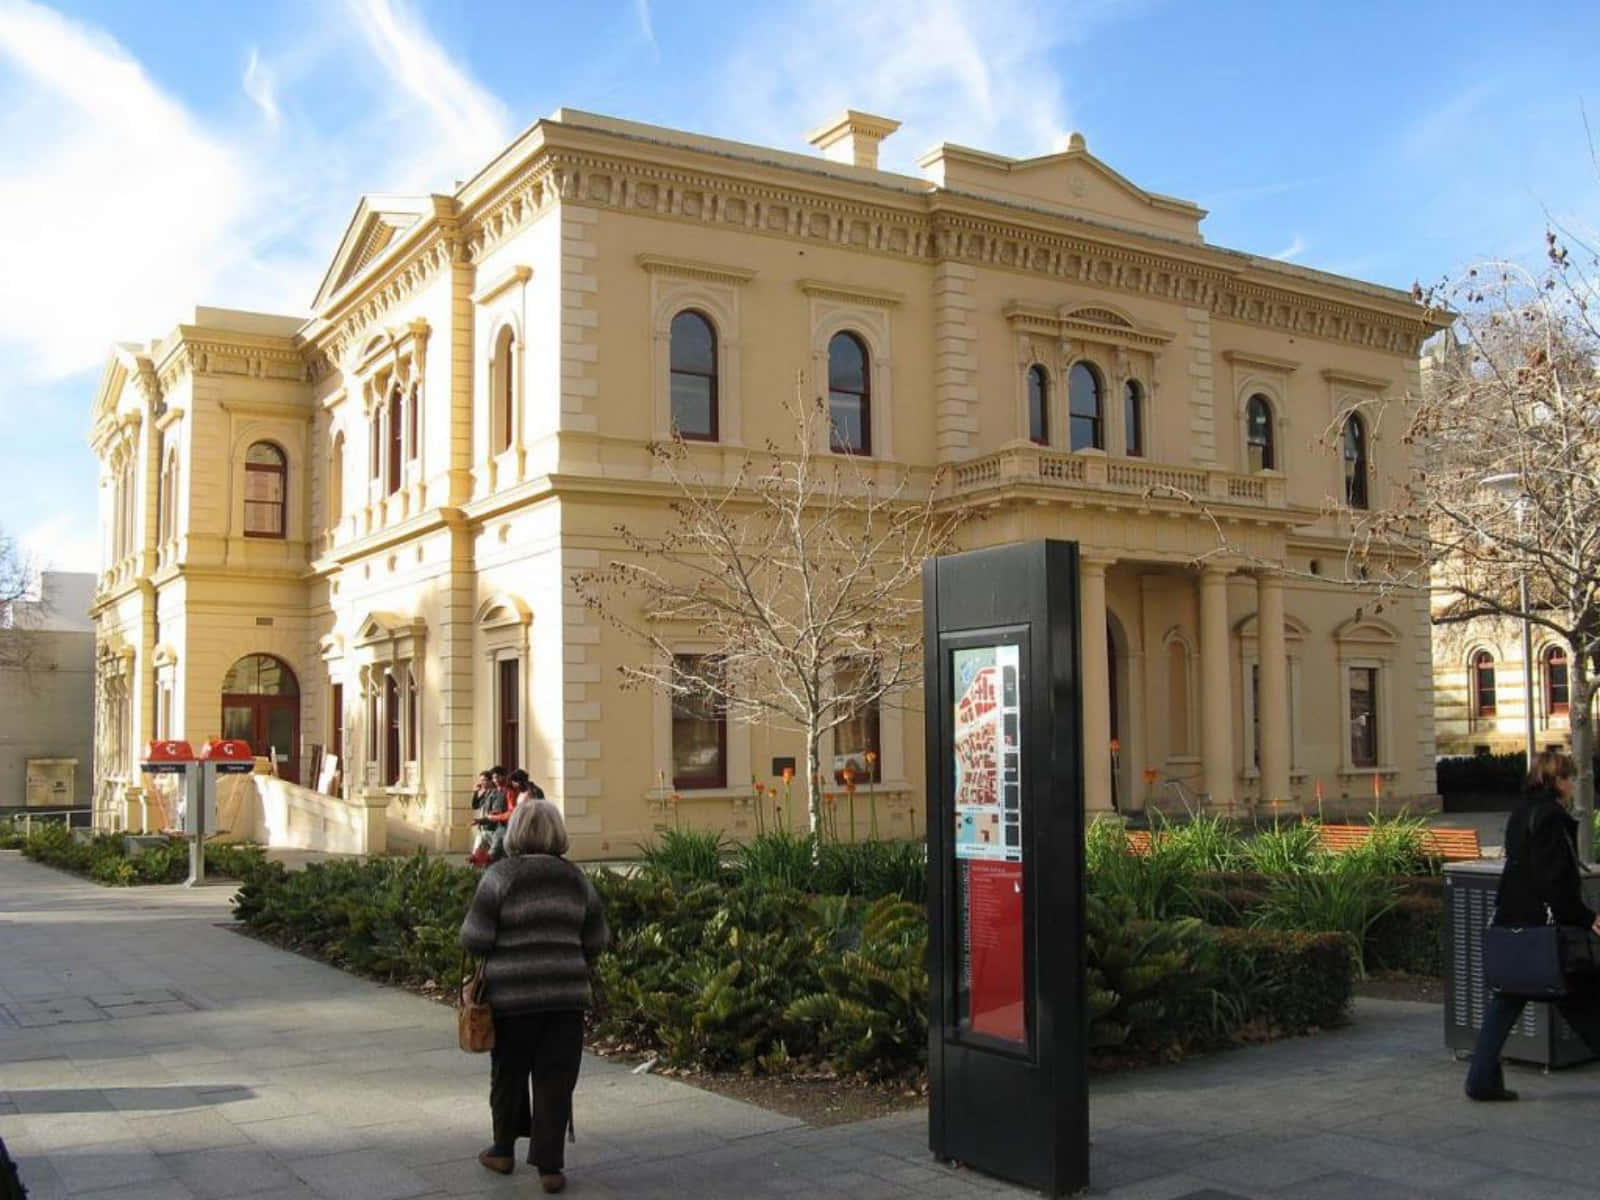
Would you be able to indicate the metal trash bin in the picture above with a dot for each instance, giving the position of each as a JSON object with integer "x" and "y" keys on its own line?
{"x": 1540, "y": 1036}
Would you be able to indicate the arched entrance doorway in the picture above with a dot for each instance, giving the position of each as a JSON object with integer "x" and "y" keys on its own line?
{"x": 261, "y": 705}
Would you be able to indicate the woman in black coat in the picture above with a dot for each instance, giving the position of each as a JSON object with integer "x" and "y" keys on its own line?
{"x": 1541, "y": 883}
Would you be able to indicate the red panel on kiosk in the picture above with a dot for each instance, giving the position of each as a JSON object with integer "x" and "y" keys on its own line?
{"x": 166, "y": 758}
{"x": 229, "y": 755}
{"x": 994, "y": 899}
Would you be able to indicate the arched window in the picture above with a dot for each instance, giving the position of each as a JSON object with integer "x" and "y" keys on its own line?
{"x": 1038, "y": 406}
{"x": 1133, "y": 418}
{"x": 375, "y": 444}
{"x": 503, "y": 388}
{"x": 1355, "y": 461}
{"x": 396, "y": 429}
{"x": 1555, "y": 682}
{"x": 694, "y": 377}
{"x": 266, "y": 491}
{"x": 1258, "y": 440}
{"x": 1483, "y": 697}
{"x": 336, "y": 480}
{"x": 1087, "y": 413}
{"x": 849, "y": 395}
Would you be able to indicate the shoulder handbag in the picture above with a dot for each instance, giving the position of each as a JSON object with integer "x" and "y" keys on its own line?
{"x": 1530, "y": 961}
{"x": 474, "y": 1021}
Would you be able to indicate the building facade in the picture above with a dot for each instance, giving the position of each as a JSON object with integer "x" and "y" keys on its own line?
{"x": 354, "y": 535}
{"x": 47, "y": 695}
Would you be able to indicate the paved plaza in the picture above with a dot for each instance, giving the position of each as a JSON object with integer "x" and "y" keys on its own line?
{"x": 146, "y": 1051}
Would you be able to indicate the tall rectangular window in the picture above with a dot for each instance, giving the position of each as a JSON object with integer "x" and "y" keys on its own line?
{"x": 699, "y": 725}
{"x": 1364, "y": 716}
{"x": 391, "y": 740}
{"x": 855, "y": 740}
{"x": 336, "y": 723}
{"x": 509, "y": 750}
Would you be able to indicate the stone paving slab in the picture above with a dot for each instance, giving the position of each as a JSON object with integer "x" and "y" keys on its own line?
{"x": 238, "y": 1070}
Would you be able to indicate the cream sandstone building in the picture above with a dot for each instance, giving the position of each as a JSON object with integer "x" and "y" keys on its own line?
{"x": 358, "y": 531}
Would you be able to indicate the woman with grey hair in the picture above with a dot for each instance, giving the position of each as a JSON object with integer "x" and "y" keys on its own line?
{"x": 537, "y": 921}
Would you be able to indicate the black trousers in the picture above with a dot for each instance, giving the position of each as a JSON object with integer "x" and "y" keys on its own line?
{"x": 1580, "y": 1007}
{"x": 532, "y": 1071}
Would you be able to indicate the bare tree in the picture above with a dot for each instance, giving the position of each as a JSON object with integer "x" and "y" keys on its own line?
{"x": 1495, "y": 511}
{"x": 19, "y": 609}
{"x": 800, "y": 573}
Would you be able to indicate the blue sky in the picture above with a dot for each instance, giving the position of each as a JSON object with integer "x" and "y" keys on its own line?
{"x": 163, "y": 153}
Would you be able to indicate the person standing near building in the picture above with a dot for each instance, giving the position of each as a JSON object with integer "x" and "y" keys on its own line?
{"x": 537, "y": 921}
{"x": 1541, "y": 884}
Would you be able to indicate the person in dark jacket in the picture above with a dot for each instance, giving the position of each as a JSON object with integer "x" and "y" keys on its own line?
{"x": 1541, "y": 883}
{"x": 537, "y": 921}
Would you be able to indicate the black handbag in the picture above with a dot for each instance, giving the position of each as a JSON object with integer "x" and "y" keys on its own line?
{"x": 1525, "y": 961}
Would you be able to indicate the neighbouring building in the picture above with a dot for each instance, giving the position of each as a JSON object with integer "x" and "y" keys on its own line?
{"x": 353, "y": 535}
{"x": 47, "y": 695}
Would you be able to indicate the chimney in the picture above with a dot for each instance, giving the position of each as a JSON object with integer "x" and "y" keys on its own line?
{"x": 853, "y": 138}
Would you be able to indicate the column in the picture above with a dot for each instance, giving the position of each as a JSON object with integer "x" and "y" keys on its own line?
{"x": 1096, "y": 686}
{"x": 1216, "y": 700}
{"x": 1272, "y": 713}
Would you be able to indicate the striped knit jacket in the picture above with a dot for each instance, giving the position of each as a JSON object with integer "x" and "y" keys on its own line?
{"x": 537, "y": 919}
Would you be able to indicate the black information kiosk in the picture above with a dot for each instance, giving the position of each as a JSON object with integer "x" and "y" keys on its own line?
{"x": 1008, "y": 1089}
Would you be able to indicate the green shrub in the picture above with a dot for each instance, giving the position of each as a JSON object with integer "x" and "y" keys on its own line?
{"x": 1482, "y": 774}
{"x": 1208, "y": 843}
{"x": 1394, "y": 847}
{"x": 687, "y": 856}
{"x": 872, "y": 870}
{"x": 1149, "y": 985}
{"x": 778, "y": 858}
{"x": 1343, "y": 902}
{"x": 104, "y": 858}
{"x": 1284, "y": 849}
{"x": 1286, "y": 982}
{"x": 1156, "y": 885}
{"x": 1409, "y": 937}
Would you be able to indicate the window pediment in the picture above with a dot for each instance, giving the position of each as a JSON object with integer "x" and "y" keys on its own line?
{"x": 502, "y": 612}
{"x": 379, "y": 628}
{"x": 1085, "y": 323}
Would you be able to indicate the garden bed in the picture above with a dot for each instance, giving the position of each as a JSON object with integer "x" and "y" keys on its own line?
{"x": 104, "y": 858}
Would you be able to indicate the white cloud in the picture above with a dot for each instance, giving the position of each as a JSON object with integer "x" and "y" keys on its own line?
{"x": 647, "y": 27}
{"x": 119, "y": 204}
{"x": 949, "y": 70}
{"x": 463, "y": 124}
{"x": 124, "y": 208}
{"x": 1296, "y": 247}
{"x": 260, "y": 85}
{"x": 62, "y": 541}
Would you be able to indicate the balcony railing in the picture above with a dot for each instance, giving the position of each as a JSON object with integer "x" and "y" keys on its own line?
{"x": 1034, "y": 465}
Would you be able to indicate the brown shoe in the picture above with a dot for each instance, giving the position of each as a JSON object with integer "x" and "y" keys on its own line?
{"x": 552, "y": 1181}
{"x": 500, "y": 1164}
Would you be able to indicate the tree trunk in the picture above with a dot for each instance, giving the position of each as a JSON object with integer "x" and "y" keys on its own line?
{"x": 814, "y": 777}
{"x": 1579, "y": 704}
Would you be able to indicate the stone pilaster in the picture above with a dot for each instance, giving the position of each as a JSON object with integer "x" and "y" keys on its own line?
{"x": 1216, "y": 699}
{"x": 580, "y": 319}
{"x": 1096, "y": 686}
{"x": 1272, "y": 713}
{"x": 1202, "y": 388}
{"x": 955, "y": 360}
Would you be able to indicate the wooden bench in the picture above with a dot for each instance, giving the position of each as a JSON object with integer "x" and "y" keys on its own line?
{"x": 1139, "y": 841}
{"x": 1451, "y": 845}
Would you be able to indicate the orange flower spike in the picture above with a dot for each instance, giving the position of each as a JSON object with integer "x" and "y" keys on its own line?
{"x": 788, "y": 774}
{"x": 849, "y": 775}
{"x": 872, "y": 757}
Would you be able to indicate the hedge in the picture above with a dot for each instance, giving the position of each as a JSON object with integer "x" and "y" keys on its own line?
{"x": 762, "y": 979}
{"x": 104, "y": 858}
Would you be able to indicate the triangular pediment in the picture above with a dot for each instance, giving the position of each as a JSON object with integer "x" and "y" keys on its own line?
{"x": 378, "y": 222}
{"x": 1073, "y": 180}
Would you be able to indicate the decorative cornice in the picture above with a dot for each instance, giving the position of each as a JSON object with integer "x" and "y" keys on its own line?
{"x": 1084, "y": 323}
{"x": 1370, "y": 383}
{"x": 1262, "y": 362}
{"x": 851, "y": 293}
{"x": 518, "y": 274}
{"x": 253, "y": 358}
{"x": 686, "y": 268}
